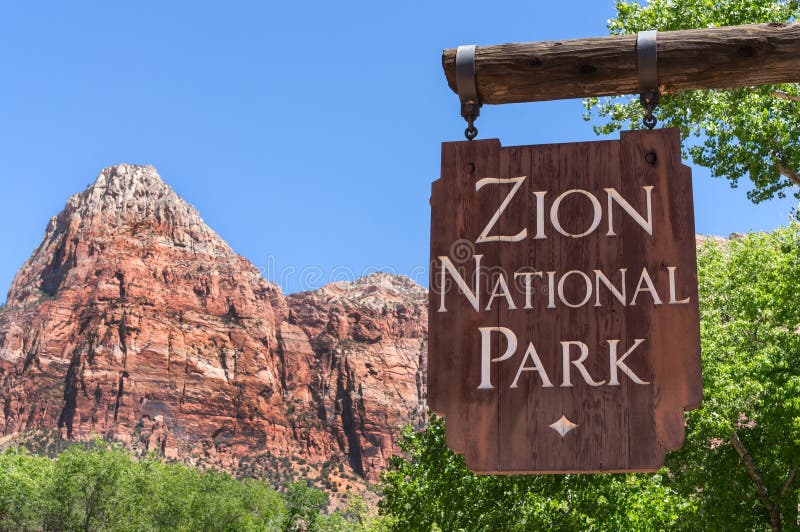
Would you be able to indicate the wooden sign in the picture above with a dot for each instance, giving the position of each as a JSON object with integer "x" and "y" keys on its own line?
{"x": 564, "y": 328}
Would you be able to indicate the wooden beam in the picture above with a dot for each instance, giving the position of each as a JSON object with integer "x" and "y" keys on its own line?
{"x": 711, "y": 58}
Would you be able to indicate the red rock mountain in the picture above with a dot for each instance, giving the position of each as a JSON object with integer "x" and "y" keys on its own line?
{"x": 133, "y": 320}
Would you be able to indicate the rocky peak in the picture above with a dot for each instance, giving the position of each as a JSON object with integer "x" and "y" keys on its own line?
{"x": 718, "y": 240}
{"x": 129, "y": 203}
{"x": 368, "y": 309}
{"x": 123, "y": 182}
{"x": 133, "y": 320}
{"x": 128, "y": 198}
{"x": 375, "y": 291}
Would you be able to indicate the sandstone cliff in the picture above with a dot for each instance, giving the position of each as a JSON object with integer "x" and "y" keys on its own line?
{"x": 133, "y": 320}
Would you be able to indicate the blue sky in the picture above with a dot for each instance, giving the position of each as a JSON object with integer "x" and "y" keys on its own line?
{"x": 306, "y": 134}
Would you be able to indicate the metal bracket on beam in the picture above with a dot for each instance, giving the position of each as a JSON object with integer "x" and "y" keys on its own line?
{"x": 647, "y": 69}
{"x": 467, "y": 88}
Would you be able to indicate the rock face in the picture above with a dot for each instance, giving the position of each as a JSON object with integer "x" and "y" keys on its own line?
{"x": 133, "y": 320}
{"x": 702, "y": 239}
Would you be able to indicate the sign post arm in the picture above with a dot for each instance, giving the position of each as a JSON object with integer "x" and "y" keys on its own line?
{"x": 709, "y": 58}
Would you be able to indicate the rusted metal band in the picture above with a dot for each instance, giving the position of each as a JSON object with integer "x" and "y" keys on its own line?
{"x": 647, "y": 60}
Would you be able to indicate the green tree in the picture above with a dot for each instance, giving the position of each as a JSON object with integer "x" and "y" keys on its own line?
{"x": 743, "y": 444}
{"x": 433, "y": 489}
{"x": 22, "y": 481}
{"x": 747, "y": 132}
{"x": 304, "y": 505}
{"x": 100, "y": 487}
{"x": 189, "y": 499}
{"x": 80, "y": 494}
{"x": 356, "y": 510}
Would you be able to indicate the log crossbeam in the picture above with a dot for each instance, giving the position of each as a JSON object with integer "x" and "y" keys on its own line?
{"x": 711, "y": 58}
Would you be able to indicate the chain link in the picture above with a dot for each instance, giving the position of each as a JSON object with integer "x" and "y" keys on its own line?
{"x": 649, "y": 101}
{"x": 471, "y": 132}
{"x": 470, "y": 111}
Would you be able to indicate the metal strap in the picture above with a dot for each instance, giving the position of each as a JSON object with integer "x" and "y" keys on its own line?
{"x": 647, "y": 60}
{"x": 647, "y": 69}
{"x": 465, "y": 74}
{"x": 467, "y": 88}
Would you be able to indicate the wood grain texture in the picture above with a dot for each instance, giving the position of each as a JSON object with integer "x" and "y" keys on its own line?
{"x": 711, "y": 58}
{"x": 627, "y": 427}
{"x": 454, "y": 193}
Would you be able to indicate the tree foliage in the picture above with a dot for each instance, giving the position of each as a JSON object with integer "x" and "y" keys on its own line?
{"x": 433, "y": 489}
{"x": 750, "y": 323}
{"x": 738, "y": 468}
{"x": 747, "y": 132}
{"x": 102, "y": 488}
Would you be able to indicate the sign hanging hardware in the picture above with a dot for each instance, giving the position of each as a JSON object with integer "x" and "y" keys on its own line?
{"x": 647, "y": 69}
{"x": 467, "y": 88}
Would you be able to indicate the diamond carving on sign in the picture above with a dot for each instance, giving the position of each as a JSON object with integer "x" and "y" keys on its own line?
{"x": 563, "y": 425}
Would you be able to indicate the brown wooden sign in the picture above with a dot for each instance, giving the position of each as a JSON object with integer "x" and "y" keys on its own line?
{"x": 564, "y": 328}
